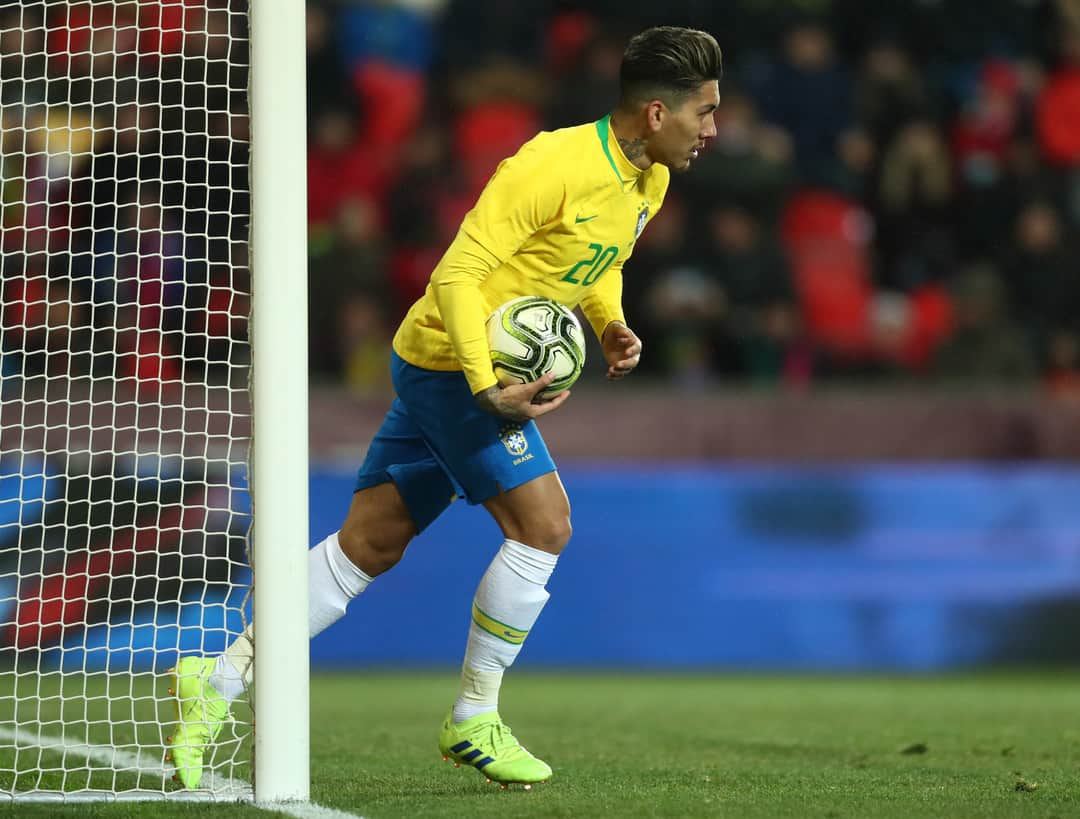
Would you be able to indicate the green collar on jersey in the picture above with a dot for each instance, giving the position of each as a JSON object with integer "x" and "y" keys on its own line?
{"x": 603, "y": 128}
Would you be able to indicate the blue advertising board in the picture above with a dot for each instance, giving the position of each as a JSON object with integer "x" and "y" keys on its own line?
{"x": 776, "y": 567}
{"x": 851, "y": 568}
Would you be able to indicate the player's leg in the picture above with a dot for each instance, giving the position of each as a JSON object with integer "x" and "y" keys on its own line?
{"x": 401, "y": 489}
{"x": 535, "y": 522}
{"x": 507, "y": 467}
{"x": 372, "y": 539}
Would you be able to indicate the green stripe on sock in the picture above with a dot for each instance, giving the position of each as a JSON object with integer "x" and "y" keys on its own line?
{"x": 509, "y": 634}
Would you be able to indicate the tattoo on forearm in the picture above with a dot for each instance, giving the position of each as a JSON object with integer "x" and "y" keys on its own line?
{"x": 486, "y": 399}
{"x": 488, "y": 402}
{"x": 633, "y": 148}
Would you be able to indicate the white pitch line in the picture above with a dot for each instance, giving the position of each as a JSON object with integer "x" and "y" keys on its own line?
{"x": 307, "y": 810}
{"x": 106, "y": 755}
{"x": 144, "y": 763}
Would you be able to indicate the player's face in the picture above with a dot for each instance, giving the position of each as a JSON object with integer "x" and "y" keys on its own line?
{"x": 684, "y": 131}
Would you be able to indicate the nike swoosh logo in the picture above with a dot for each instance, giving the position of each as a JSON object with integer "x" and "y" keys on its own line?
{"x": 579, "y": 219}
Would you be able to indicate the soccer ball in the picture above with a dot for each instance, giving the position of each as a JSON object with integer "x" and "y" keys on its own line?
{"x": 531, "y": 336}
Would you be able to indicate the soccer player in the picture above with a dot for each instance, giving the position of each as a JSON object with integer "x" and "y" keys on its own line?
{"x": 557, "y": 219}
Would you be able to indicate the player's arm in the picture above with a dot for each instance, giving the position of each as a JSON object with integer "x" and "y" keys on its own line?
{"x": 518, "y": 200}
{"x": 518, "y": 402}
{"x": 602, "y": 306}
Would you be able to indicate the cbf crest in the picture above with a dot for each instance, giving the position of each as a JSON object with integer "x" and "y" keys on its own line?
{"x": 514, "y": 440}
{"x": 642, "y": 218}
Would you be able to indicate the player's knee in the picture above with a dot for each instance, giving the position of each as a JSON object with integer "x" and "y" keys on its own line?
{"x": 562, "y": 532}
{"x": 372, "y": 552}
{"x": 549, "y": 534}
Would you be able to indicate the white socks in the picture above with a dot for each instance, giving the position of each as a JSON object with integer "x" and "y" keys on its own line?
{"x": 507, "y": 604}
{"x": 232, "y": 672}
{"x": 333, "y": 580}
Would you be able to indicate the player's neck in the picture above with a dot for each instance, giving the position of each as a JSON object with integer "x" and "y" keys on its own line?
{"x": 631, "y": 139}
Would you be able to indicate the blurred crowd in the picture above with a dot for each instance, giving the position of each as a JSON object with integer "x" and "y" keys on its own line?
{"x": 893, "y": 193}
{"x": 123, "y": 189}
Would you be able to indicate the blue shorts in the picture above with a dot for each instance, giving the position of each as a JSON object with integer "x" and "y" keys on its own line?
{"x": 436, "y": 443}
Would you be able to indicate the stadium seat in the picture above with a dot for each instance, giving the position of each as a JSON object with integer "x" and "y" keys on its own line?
{"x": 826, "y": 237}
{"x": 1057, "y": 117}
{"x": 567, "y": 34}
{"x": 397, "y": 95}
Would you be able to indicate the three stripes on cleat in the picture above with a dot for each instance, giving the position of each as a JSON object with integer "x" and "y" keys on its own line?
{"x": 468, "y": 758}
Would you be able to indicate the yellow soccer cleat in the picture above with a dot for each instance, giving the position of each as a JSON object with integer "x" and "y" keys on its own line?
{"x": 486, "y": 743}
{"x": 200, "y": 713}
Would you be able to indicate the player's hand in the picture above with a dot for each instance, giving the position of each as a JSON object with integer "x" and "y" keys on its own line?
{"x": 622, "y": 350}
{"x": 521, "y": 402}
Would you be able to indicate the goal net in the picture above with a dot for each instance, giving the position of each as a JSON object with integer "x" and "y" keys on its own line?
{"x": 124, "y": 356}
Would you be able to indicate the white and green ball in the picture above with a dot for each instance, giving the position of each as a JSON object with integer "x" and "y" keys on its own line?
{"x": 531, "y": 336}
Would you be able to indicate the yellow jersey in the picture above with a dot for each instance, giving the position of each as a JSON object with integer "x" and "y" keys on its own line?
{"x": 557, "y": 219}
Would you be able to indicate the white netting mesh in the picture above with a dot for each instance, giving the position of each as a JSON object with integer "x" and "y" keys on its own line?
{"x": 123, "y": 399}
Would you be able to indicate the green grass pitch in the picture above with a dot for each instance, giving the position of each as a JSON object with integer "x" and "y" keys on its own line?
{"x": 624, "y": 745}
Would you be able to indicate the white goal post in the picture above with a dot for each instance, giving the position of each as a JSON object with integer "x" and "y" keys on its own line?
{"x": 153, "y": 390}
{"x": 279, "y": 443}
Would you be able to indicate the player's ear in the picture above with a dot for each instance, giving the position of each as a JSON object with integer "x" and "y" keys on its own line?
{"x": 655, "y": 112}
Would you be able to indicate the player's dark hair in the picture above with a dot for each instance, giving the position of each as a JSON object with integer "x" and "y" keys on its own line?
{"x": 668, "y": 63}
